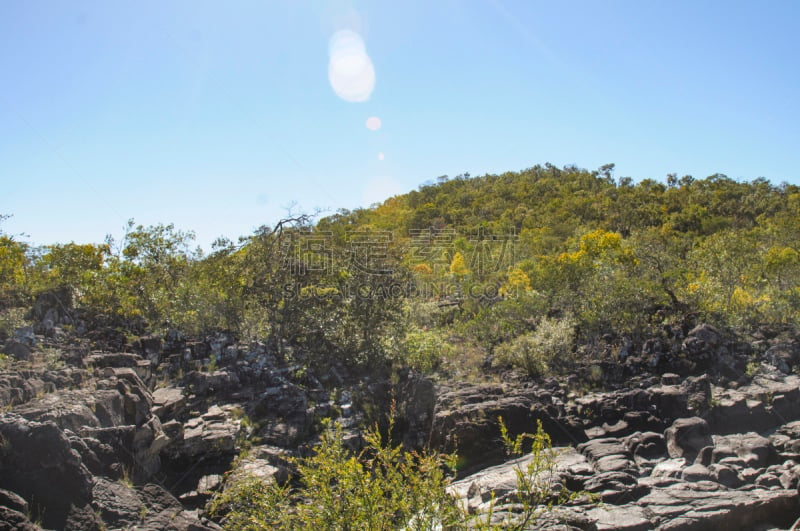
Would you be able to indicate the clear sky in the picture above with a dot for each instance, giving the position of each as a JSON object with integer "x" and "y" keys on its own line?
{"x": 217, "y": 116}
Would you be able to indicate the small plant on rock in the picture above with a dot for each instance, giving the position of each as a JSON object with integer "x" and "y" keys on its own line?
{"x": 752, "y": 369}
{"x": 53, "y": 358}
{"x": 538, "y": 487}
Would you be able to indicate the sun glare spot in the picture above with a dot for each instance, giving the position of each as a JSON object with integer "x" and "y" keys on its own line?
{"x": 381, "y": 156}
{"x": 373, "y": 123}
{"x": 350, "y": 70}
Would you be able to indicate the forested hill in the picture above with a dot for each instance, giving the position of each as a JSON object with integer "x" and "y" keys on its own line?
{"x": 490, "y": 260}
{"x": 560, "y": 201}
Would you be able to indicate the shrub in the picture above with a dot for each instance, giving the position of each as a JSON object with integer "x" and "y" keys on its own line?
{"x": 542, "y": 350}
{"x": 381, "y": 488}
{"x": 424, "y": 350}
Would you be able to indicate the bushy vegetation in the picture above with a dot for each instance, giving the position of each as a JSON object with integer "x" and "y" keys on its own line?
{"x": 543, "y": 351}
{"x": 384, "y": 487}
{"x": 482, "y": 260}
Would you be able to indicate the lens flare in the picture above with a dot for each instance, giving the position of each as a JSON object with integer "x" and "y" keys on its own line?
{"x": 373, "y": 123}
{"x": 381, "y": 156}
{"x": 350, "y": 70}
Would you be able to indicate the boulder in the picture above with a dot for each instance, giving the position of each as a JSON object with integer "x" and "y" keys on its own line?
{"x": 647, "y": 445}
{"x": 783, "y": 357}
{"x": 498, "y": 484}
{"x": 118, "y": 504}
{"x": 12, "y": 520}
{"x": 37, "y": 462}
{"x": 705, "y": 349}
{"x": 756, "y": 451}
{"x": 213, "y": 433}
{"x": 686, "y": 437}
{"x": 146, "y": 508}
{"x": 17, "y": 350}
{"x": 766, "y": 403}
{"x": 73, "y": 410}
{"x": 169, "y": 403}
{"x": 696, "y": 472}
{"x": 727, "y": 476}
{"x": 16, "y": 388}
{"x": 151, "y": 347}
{"x": 466, "y": 420}
{"x": 52, "y": 308}
{"x": 218, "y": 383}
{"x": 700, "y": 507}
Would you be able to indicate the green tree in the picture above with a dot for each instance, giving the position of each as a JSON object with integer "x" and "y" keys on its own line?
{"x": 13, "y": 261}
{"x": 72, "y": 265}
{"x": 458, "y": 268}
{"x": 728, "y": 264}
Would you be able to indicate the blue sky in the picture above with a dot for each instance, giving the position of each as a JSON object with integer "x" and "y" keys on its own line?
{"x": 218, "y": 116}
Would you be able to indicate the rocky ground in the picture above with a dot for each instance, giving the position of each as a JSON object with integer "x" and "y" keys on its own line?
{"x": 697, "y": 431}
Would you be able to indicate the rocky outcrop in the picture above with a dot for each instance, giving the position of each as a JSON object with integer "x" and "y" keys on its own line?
{"x": 687, "y": 506}
{"x": 141, "y": 434}
{"x": 733, "y": 484}
{"x": 146, "y": 508}
{"x": 466, "y": 420}
{"x": 38, "y": 463}
{"x": 675, "y": 452}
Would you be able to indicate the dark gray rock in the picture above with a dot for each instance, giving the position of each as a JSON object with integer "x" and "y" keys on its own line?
{"x": 213, "y": 433}
{"x": 705, "y": 457}
{"x": 84, "y": 519}
{"x": 647, "y": 445}
{"x": 725, "y": 475}
{"x": 686, "y": 437}
{"x": 151, "y": 347}
{"x": 615, "y": 487}
{"x": 118, "y": 504}
{"x": 13, "y": 520}
{"x": 671, "y": 402}
{"x": 698, "y": 393}
{"x": 14, "y": 501}
{"x": 169, "y": 403}
{"x": 38, "y": 462}
{"x": 17, "y": 350}
{"x": 466, "y": 420}
{"x": 765, "y": 403}
{"x": 783, "y": 357}
{"x": 416, "y": 400}
{"x": 218, "y": 383}
{"x": 146, "y": 508}
{"x": 790, "y": 479}
{"x": 669, "y": 468}
{"x": 696, "y": 472}
{"x": 112, "y": 359}
{"x": 752, "y": 448}
{"x": 701, "y": 507}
